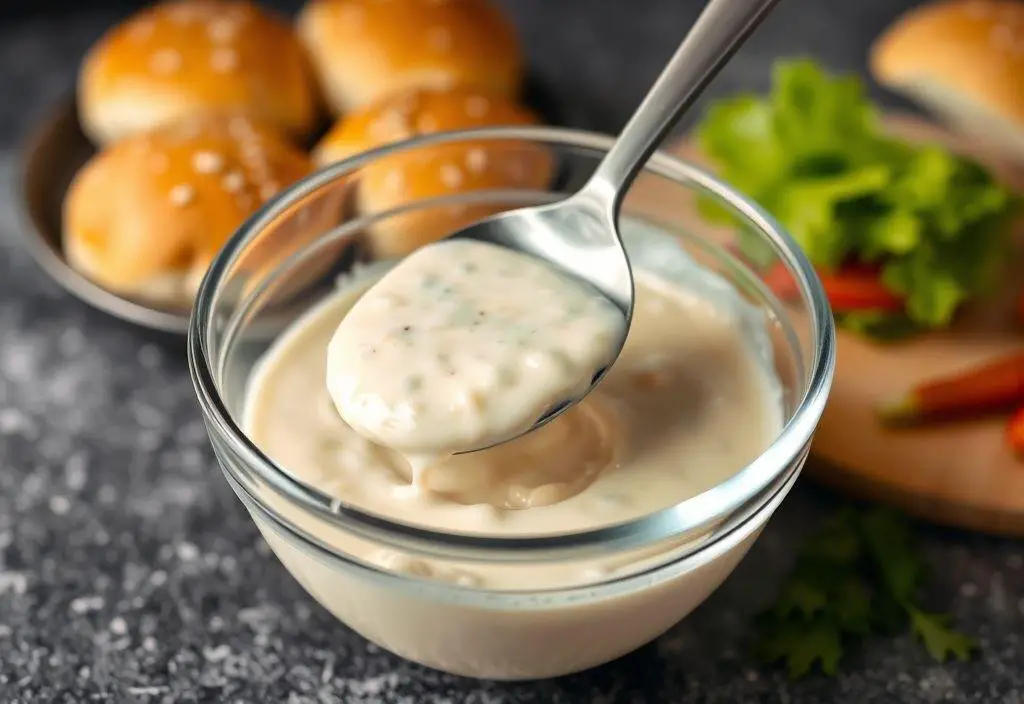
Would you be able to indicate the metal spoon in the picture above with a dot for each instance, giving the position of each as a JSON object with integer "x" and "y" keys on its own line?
{"x": 580, "y": 234}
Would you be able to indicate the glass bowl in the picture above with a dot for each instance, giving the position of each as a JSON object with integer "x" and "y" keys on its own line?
{"x": 286, "y": 259}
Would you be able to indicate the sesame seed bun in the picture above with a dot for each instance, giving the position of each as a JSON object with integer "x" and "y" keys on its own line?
{"x": 433, "y": 171}
{"x": 363, "y": 50}
{"x": 186, "y": 57}
{"x": 964, "y": 60}
{"x": 146, "y": 216}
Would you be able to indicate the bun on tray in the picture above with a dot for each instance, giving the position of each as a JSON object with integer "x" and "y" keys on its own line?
{"x": 363, "y": 50}
{"x": 434, "y": 171}
{"x": 964, "y": 60}
{"x": 186, "y": 57}
{"x": 146, "y": 216}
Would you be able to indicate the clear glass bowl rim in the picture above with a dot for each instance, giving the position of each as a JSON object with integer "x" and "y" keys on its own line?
{"x": 689, "y": 517}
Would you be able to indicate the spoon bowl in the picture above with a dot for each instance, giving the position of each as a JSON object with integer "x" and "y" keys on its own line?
{"x": 573, "y": 234}
{"x": 579, "y": 235}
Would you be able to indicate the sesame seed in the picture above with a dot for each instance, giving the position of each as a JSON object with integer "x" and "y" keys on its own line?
{"x": 397, "y": 117}
{"x": 252, "y": 151}
{"x": 205, "y": 162}
{"x": 391, "y": 125}
{"x": 1002, "y": 36}
{"x": 183, "y": 14}
{"x": 240, "y": 128}
{"x": 119, "y": 626}
{"x": 351, "y": 14}
{"x": 394, "y": 181}
{"x": 233, "y": 181}
{"x": 237, "y": 13}
{"x": 222, "y": 29}
{"x": 149, "y": 644}
{"x": 165, "y": 61}
{"x": 451, "y": 176}
{"x": 476, "y": 160}
{"x": 269, "y": 189}
{"x": 224, "y": 60}
{"x": 182, "y": 194}
{"x": 477, "y": 106}
{"x": 141, "y": 29}
{"x": 439, "y": 38}
{"x": 427, "y": 123}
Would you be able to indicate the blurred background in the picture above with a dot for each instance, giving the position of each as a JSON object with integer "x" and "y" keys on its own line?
{"x": 599, "y": 55}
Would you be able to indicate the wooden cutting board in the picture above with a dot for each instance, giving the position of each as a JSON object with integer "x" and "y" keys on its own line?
{"x": 959, "y": 474}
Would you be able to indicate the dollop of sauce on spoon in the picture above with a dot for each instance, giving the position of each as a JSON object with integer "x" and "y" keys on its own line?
{"x": 464, "y": 345}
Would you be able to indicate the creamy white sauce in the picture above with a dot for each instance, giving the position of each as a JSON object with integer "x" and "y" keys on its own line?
{"x": 691, "y": 400}
{"x": 466, "y": 344}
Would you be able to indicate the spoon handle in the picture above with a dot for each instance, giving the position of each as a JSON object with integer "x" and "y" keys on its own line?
{"x": 716, "y": 35}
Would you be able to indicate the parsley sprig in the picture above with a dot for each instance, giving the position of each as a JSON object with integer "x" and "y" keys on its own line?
{"x": 861, "y": 575}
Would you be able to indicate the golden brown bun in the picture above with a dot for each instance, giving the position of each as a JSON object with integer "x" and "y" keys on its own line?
{"x": 963, "y": 59}
{"x": 439, "y": 170}
{"x": 363, "y": 50}
{"x": 146, "y": 216}
{"x": 183, "y": 58}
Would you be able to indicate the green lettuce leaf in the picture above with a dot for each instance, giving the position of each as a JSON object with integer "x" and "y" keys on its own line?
{"x": 813, "y": 155}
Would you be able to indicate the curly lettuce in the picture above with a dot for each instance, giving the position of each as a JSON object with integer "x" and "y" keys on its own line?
{"x": 813, "y": 154}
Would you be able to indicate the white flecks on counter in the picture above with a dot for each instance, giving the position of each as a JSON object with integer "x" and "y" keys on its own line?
{"x": 60, "y": 505}
{"x": 13, "y": 582}
{"x": 118, "y": 626}
{"x": 50, "y": 651}
{"x": 76, "y": 471}
{"x": 87, "y": 604}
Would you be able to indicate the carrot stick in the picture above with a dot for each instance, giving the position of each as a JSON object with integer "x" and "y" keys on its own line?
{"x": 1015, "y": 432}
{"x": 848, "y": 290}
{"x": 993, "y": 386}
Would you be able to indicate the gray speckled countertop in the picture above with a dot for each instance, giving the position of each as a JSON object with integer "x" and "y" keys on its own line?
{"x": 129, "y": 572}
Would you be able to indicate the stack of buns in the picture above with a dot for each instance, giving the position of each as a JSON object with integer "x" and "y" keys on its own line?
{"x": 963, "y": 60}
{"x": 148, "y": 214}
{"x": 200, "y": 109}
{"x": 366, "y": 50}
{"x": 434, "y": 171}
{"x": 182, "y": 58}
